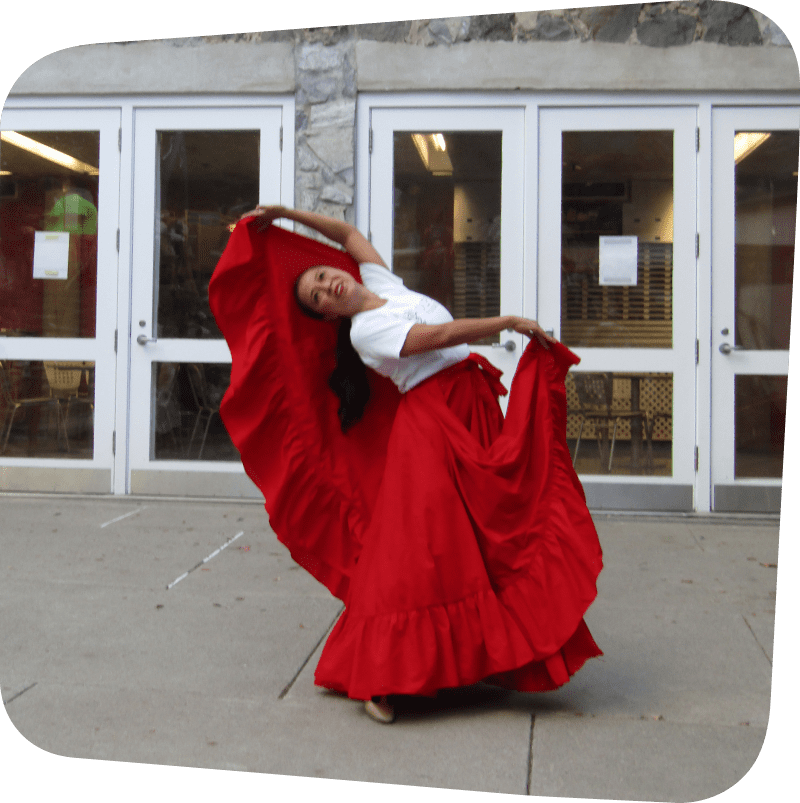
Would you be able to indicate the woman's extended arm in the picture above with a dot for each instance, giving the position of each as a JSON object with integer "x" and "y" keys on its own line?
{"x": 424, "y": 337}
{"x": 348, "y": 236}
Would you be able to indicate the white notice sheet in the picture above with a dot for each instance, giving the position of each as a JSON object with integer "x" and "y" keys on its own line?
{"x": 50, "y": 254}
{"x": 619, "y": 257}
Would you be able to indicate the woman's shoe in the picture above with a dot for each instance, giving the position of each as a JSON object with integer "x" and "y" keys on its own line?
{"x": 380, "y": 709}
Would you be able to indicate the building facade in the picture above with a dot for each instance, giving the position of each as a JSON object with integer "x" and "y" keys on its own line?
{"x": 627, "y": 175}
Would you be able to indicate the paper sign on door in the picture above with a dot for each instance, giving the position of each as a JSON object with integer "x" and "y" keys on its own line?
{"x": 619, "y": 258}
{"x": 50, "y": 254}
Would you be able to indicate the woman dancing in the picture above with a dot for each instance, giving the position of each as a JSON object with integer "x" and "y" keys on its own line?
{"x": 459, "y": 542}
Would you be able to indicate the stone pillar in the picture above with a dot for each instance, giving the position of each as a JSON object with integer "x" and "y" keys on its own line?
{"x": 325, "y": 105}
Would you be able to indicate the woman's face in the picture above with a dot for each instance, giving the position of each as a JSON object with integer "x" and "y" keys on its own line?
{"x": 331, "y": 292}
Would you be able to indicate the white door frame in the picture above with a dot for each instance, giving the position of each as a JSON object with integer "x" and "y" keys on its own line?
{"x": 95, "y": 475}
{"x": 677, "y": 491}
{"x": 144, "y": 474}
{"x": 486, "y": 102}
{"x": 510, "y": 121}
{"x": 728, "y": 492}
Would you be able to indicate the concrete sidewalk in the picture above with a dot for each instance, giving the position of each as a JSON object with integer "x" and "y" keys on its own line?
{"x": 99, "y": 659}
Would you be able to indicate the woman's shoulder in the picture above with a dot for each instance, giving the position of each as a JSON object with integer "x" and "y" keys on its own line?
{"x": 372, "y": 273}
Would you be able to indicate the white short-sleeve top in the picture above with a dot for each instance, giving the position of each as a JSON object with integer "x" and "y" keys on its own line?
{"x": 378, "y": 335}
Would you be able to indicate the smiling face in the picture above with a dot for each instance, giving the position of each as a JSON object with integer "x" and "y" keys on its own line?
{"x": 330, "y": 292}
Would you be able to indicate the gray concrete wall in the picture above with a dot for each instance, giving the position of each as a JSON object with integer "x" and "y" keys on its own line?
{"x": 162, "y": 67}
{"x": 677, "y": 46}
{"x": 576, "y": 66}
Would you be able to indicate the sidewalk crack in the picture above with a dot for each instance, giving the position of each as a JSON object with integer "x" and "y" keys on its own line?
{"x": 18, "y": 694}
{"x": 696, "y": 539}
{"x": 756, "y": 638}
{"x": 530, "y": 758}
{"x": 288, "y": 686}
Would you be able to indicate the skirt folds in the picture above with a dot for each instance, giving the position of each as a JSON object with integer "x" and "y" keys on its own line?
{"x": 480, "y": 559}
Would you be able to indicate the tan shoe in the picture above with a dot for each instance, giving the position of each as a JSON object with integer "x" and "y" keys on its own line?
{"x": 380, "y": 709}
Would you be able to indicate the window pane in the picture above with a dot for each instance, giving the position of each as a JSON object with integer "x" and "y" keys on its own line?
{"x": 187, "y": 422}
{"x": 48, "y": 187}
{"x": 206, "y": 181}
{"x": 631, "y": 412}
{"x": 760, "y": 403}
{"x": 766, "y": 205}
{"x": 47, "y": 409}
{"x": 617, "y": 184}
{"x": 447, "y": 219}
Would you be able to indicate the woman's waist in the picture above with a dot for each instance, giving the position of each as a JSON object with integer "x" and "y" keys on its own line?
{"x": 473, "y": 362}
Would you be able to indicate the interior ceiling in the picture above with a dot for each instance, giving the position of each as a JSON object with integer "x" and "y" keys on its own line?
{"x": 229, "y": 155}
{"x": 777, "y": 158}
{"x": 475, "y": 155}
{"x": 83, "y": 145}
{"x": 210, "y": 154}
{"x": 589, "y": 156}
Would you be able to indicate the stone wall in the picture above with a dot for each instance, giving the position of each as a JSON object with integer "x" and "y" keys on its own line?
{"x": 647, "y": 24}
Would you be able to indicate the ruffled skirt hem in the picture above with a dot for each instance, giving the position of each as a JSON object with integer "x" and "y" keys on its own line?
{"x": 500, "y": 529}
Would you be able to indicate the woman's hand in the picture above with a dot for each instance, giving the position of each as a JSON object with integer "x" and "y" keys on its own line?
{"x": 525, "y": 326}
{"x": 265, "y": 215}
{"x": 341, "y": 232}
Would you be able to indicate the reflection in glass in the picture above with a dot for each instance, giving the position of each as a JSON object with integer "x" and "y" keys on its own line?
{"x": 206, "y": 181}
{"x": 187, "y": 422}
{"x": 614, "y": 184}
{"x": 760, "y": 403}
{"x": 620, "y": 423}
{"x": 447, "y": 219}
{"x": 766, "y": 205}
{"x": 48, "y": 183}
{"x": 47, "y": 409}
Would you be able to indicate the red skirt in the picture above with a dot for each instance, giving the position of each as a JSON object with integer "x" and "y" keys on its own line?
{"x": 481, "y": 557}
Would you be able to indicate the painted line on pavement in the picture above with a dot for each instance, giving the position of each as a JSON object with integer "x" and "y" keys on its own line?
{"x": 124, "y": 516}
{"x": 204, "y": 560}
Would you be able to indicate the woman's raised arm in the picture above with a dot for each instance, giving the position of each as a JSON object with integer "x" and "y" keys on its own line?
{"x": 347, "y": 235}
{"x": 424, "y": 337}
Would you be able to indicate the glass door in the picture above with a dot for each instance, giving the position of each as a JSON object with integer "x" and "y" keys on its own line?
{"x": 196, "y": 172}
{"x": 59, "y": 202}
{"x": 617, "y": 284}
{"x": 754, "y": 206}
{"x": 446, "y": 211}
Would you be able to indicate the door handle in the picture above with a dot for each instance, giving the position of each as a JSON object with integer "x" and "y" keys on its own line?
{"x": 727, "y": 348}
{"x": 144, "y": 339}
{"x": 509, "y": 345}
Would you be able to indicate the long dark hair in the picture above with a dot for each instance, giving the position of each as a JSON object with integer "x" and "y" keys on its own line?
{"x": 349, "y": 379}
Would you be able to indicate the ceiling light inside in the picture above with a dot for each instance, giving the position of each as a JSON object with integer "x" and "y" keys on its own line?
{"x": 46, "y": 152}
{"x": 432, "y": 149}
{"x": 744, "y": 143}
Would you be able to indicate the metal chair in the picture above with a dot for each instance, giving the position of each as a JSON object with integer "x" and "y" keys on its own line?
{"x": 169, "y": 415}
{"x": 205, "y": 405}
{"x": 651, "y": 422}
{"x": 12, "y": 403}
{"x": 64, "y": 379}
{"x": 596, "y": 405}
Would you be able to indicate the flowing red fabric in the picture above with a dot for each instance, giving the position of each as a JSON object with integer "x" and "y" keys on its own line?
{"x": 460, "y": 542}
